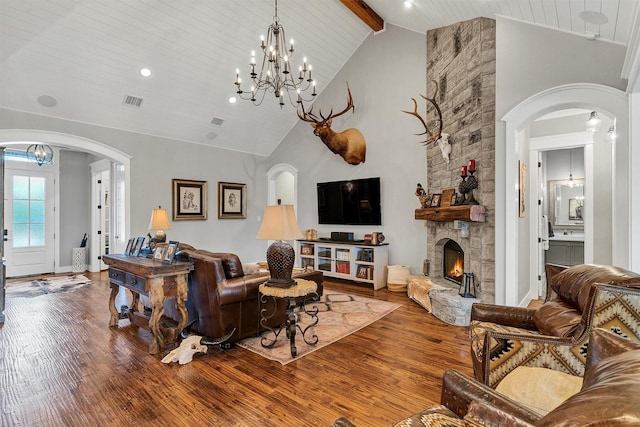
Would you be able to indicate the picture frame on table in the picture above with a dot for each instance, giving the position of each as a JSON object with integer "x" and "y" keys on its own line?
{"x": 170, "y": 252}
{"x": 137, "y": 246}
{"x": 158, "y": 253}
{"x": 435, "y": 200}
{"x": 232, "y": 200}
{"x": 189, "y": 199}
{"x": 130, "y": 244}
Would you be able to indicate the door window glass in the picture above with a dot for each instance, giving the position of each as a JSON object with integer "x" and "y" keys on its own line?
{"x": 28, "y": 211}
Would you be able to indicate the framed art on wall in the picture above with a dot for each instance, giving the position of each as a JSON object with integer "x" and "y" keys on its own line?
{"x": 232, "y": 200}
{"x": 522, "y": 186}
{"x": 189, "y": 199}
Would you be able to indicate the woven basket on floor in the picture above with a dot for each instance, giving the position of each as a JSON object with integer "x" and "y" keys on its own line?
{"x": 397, "y": 277}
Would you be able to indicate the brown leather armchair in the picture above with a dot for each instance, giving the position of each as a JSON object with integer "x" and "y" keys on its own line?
{"x": 557, "y": 333}
{"x": 609, "y": 395}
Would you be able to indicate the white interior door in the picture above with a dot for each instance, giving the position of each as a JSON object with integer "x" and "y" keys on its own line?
{"x": 29, "y": 221}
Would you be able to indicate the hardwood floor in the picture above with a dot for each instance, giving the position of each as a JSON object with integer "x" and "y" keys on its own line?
{"x": 61, "y": 365}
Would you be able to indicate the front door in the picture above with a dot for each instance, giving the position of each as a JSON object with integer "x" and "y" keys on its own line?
{"x": 29, "y": 221}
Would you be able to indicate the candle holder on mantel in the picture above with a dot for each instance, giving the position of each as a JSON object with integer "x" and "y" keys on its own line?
{"x": 468, "y": 184}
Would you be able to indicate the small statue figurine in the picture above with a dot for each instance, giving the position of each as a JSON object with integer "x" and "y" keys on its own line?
{"x": 422, "y": 196}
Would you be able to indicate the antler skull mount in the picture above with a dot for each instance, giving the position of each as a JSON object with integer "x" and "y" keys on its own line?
{"x": 442, "y": 139}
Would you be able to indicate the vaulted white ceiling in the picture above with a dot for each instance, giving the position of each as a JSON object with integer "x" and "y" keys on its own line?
{"x": 85, "y": 56}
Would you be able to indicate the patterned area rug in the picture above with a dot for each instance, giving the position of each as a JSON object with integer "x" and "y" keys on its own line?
{"x": 42, "y": 286}
{"x": 338, "y": 316}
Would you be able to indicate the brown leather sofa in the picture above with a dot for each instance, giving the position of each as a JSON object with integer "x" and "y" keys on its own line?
{"x": 221, "y": 297}
{"x": 579, "y": 299}
{"x": 610, "y": 395}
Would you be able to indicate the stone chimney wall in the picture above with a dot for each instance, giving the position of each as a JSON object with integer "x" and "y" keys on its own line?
{"x": 461, "y": 59}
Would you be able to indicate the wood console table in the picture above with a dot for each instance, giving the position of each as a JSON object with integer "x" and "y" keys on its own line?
{"x": 156, "y": 280}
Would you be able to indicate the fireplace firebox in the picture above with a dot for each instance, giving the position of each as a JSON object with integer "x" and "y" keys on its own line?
{"x": 453, "y": 262}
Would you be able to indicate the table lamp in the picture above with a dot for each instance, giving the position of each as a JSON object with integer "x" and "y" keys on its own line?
{"x": 279, "y": 223}
{"x": 159, "y": 222}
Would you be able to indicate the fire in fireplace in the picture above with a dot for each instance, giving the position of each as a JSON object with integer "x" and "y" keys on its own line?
{"x": 453, "y": 262}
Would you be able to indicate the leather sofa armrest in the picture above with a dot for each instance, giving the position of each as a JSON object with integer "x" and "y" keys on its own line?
{"x": 481, "y": 414}
{"x": 459, "y": 390}
{"x": 518, "y": 317}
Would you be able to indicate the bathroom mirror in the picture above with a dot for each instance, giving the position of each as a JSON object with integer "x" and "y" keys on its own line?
{"x": 566, "y": 202}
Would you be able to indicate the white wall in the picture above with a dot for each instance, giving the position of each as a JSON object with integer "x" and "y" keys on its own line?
{"x": 155, "y": 161}
{"x": 384, "y": 73}
{"x": 75, "y": 202}
{"x": 530, "y": 60}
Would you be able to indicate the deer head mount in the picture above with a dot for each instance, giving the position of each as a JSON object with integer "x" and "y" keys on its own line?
{"x": 442, "y": 139}
{"x": 349, "y": 144}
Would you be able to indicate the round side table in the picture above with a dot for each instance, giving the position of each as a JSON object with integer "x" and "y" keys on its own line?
{"x": 300, "y": 294}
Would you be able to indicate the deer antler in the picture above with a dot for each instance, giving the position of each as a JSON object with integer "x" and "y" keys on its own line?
{"x": 312, "y": 118}
{"x": 307, "y": 116}
{"x": 433, "y": 136}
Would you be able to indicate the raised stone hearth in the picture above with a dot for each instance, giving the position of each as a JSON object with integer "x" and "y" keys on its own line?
{"x": 461, "y": 58}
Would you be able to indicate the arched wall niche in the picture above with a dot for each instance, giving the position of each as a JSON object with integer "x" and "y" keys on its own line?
{"x": 272, "y": 178}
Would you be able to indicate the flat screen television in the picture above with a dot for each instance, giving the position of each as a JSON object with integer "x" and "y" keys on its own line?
{"x": 353, "y": 202}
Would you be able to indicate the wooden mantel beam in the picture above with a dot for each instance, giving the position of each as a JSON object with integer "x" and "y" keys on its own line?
{"x": 365, "y": 13}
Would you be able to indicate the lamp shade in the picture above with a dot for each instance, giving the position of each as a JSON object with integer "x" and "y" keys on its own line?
{"x": 159, "y": 220}
{"x": 279, "y": 223}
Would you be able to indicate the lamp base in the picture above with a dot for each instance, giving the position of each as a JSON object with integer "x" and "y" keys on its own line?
{"x": 280, "y": 258}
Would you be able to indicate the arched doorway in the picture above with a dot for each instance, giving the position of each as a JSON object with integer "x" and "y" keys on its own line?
{"x": 10, "y": 137}
{"x": 509, "y": 242}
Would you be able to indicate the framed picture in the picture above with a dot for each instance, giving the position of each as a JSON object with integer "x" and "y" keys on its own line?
{"x": 170, "y": 252}
{"x": 454, "y": 199}
{"x": 158, "y": 252}
{"x": 435, "y": 200}
{"x": 137, "y": 246}
{"x": 189, "y": 199}
{"x": 232, "y": 200}
{"x": 130, "y": 245}
{"x": 522, "y": 188}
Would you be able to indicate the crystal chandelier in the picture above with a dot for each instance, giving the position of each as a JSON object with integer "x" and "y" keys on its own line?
{"x": 276, "y": 75}
{"x": 40, "y": 154}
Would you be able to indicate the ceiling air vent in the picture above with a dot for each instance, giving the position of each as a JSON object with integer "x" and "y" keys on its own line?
{"x": 217, "y": 121}
{"x": 132, "y": 101}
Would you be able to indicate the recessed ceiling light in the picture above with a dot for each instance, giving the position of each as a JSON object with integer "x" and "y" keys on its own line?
{"x": 145, "y": 72}
{"x": 232, "y": 100}
{"x": 47, "y": 101}
{"x": 593, "y": 17}
{"x": 408, "y": 4}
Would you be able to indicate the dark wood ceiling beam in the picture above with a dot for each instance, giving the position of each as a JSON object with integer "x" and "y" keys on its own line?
{"x": 365, "y": 13}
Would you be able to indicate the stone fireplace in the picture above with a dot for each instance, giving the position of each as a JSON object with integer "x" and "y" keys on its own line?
{"x": 461, "y": 59}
